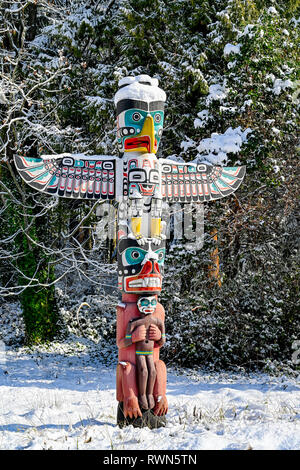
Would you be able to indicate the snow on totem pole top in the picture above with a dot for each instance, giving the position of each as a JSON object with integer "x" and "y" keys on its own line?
{"x": 141, "y": 87}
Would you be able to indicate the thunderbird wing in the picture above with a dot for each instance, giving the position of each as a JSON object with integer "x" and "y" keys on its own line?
{"x": 70, "y": 175}
{"x": 187, "y": 182}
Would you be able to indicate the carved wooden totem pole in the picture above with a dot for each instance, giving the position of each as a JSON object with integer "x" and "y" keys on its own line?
{"x": 140, "y": 183}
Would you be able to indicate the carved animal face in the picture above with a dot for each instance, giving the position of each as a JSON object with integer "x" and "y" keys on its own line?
{"x": 140, "y": 268}
{"x": 142, "y": 174}
{"x": 139, "y": 125}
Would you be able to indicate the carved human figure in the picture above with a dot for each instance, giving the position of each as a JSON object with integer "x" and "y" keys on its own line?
{"x": 127, "y": 369}
{"x": 146, "y": 371}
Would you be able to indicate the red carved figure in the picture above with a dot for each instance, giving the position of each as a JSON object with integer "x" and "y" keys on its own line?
{"x": 128, "y": 381}
{"x": 144, "y": 349}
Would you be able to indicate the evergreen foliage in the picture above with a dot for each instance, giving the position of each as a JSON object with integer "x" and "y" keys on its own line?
{"x": 231, "y": 75}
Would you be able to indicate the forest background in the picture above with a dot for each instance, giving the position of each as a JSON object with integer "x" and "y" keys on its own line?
{"x": 230, "y": 71}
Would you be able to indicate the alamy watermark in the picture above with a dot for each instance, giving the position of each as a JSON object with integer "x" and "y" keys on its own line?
{"x": 182, "y": 223}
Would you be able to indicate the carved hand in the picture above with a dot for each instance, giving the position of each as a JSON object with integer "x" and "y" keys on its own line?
{"x": 161, "y": 406}
{"x": 131, "y": 407}
{"x": 154, "y": 333}
{"x": 139, "y": 334}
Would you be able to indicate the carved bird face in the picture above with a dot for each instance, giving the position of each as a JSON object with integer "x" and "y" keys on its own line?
{"x": 139, "y": 125}
{"x": 140, "y": 114}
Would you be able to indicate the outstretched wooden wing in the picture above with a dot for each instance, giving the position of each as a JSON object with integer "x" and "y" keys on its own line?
{"x": 70, "y": 175}
{"x": 187, "y": 182}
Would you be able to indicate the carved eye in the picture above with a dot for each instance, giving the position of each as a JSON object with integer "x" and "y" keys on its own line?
{"x": 157, "y": 118}
{"x": 133, "y": 256}
{"x": 161, "y": 255}
{"x": 154, "y": 177}
{"x": 137, "y": 175}
{"x": 136, "y": 116}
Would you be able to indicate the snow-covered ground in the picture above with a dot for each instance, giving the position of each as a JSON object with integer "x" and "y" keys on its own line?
{"x": 58, "y": 400}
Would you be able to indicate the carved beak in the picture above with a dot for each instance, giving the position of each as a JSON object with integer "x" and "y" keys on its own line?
{"x": 148, "y": 129}
{"x": 146, "y": 141}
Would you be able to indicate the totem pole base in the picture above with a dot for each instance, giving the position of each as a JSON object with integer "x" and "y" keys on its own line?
{"x": 149, "y": 419}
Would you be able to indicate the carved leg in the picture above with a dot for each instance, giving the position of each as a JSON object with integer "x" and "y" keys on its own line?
{"x": 156, "y": 224}
{"x": 151, "y": 381}
{"x": 136, "y": 206}
{"x": 142, "y": 379}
